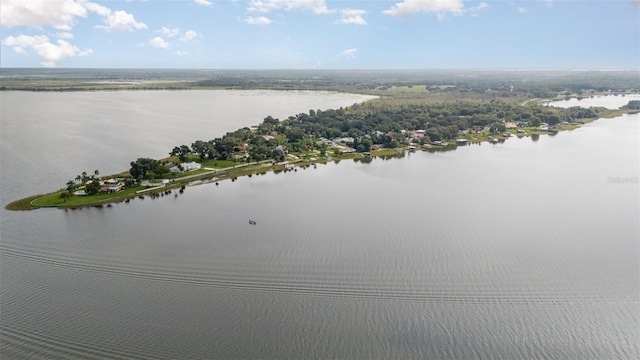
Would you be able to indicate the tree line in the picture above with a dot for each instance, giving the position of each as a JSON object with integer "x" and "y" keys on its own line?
{"x": 377, "y": 122}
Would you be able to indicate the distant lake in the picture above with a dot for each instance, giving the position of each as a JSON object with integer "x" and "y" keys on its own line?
{"x": 526, "y": 249}
{"x": 607, "y": 101}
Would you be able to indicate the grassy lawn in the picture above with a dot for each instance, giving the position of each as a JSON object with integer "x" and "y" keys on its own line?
{"x": 23, "y": 204}
{"x": 246, "y": 170}
{"x": 413, "y": 88}
{"x": 218, "y": 164}
{"x": 188, "y": 173}
{"x": 54, "y": 200}
{"x": 384, "y": 152}
{"x": 348, "y": 156}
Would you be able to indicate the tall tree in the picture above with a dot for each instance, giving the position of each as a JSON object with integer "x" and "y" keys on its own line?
{"x": 71, "y": 186}
{"x": 203, "y": 149}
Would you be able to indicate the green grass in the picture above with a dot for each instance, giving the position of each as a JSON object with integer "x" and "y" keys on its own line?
{"x": 218, "y": 164}
{"x": 54, "y": 199}
{"x": 23, "y": 204}
{"x": 384, "y": 152}
{"x": 188, "y": 173}
{"x": 413, "y": 88}
{"x": 348, "y": 156}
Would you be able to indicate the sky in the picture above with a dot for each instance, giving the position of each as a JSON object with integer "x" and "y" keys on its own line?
{"x": 320, "y": 34}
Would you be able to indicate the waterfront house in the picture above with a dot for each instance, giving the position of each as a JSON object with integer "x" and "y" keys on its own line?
{"x": 111, "y": 186}
{"x": 190, "y": 166}
{"x": 343, "y": 140}
{"x": 462, "y": 141}
{"x": 416, "y": 134}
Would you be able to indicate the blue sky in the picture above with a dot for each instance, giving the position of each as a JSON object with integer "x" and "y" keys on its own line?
{"x": 320, "y": 34}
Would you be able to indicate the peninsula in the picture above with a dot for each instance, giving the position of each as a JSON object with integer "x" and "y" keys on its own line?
{"x": 413, "y": 111}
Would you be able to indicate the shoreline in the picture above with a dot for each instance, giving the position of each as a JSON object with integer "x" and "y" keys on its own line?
{"x": 215, "y": 175}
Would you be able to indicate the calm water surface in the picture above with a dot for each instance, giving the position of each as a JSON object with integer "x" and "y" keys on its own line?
{"x": 517, "y": 250}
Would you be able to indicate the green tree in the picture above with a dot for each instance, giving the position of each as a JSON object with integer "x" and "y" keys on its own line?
{"x": 553, "y": 119}
{"x": 145, "y": 167}
{"x": 259, "y": 153}
{"x": 71, "y": 186}
{"x": 278, "y": 154}
{"x": 534, "y": 121}
{"x": 633, "y": 104}
{"x": 203, "y": 149}
{"x": 497, "y": 127}
{"x": 364, "y": 145}
{"x": 269, "y": 120}
{"x": 182, "y": 152}
{"x": 128, "y": 182}
{"x": 92, "y": 187}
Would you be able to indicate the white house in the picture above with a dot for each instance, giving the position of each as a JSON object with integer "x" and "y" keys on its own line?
{"x": 190, "y": 166}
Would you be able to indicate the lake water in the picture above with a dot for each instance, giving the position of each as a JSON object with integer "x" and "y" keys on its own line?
{"x": 607, "y": 101}
{"x": 526, "y": 249}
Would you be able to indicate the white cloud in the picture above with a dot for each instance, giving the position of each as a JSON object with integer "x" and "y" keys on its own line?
{"x": 203, "y": 2}
{"x": 121, "y": 21}
{"x": 115, "y": 20}
{"x": 50, "y": 53}
{"x": 411, "y": 7}
{"x": 349, "y": 53}
{"x": 260, "y": 20}
{"x": 265, "y": 6}
{"x": 181, "y": 53}
{"x": 352, "y": 16}
{"x": 189, "y": 36}
{"x": 476, "y": 9}
{"x": 159, "y": 43}
{"x": 169, "y": 32}
{"x": 62, "y": 14}
{"x": 522, "y": 10}
{"x": 98, "y": 9}
{"x": 59, "y": 14}
{"x": 64, "y": 35}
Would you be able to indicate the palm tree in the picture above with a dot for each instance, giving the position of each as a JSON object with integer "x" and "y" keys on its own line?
{"x": 71, "y": 185}
{"x": 84, "y": 176}
{"x": 78, "y": 178}
{"x": 96, "y": 172}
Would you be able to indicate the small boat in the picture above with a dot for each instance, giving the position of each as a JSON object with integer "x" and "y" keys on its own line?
{"x": 252, "y": 222}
